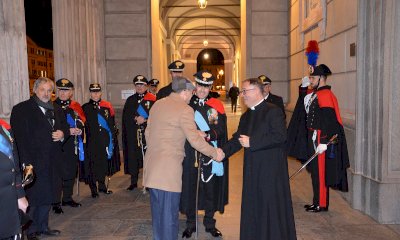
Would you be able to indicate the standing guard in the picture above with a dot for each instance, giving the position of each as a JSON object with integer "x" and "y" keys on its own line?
{"x": 268, "y": 96}
{"x": 205, "y": 182}
{"x": 153, "y": 86}
{"x": 176, "y": 70}
{"x": 73, "y": 150}
{"x": 102, "y": 156}
{"x": 134, "y": 123}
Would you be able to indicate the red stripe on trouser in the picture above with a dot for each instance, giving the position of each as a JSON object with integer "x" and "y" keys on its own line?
{"x": 321, "y": 174}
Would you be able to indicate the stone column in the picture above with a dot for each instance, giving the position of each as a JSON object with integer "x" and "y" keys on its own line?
{"x": 14, "y": 78}
{"x": 376, "y": 178}
{"x": 266, "y": 45}
{"x": 79, "y": 52}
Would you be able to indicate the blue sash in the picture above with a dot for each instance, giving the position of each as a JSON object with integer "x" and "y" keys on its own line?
{"x": 5, "y": 146}
{"x": 140, "y": 110}
{"x": 103, "y": 123}
{"x": 217, "y": 167}
{"x": 72, "y": 124}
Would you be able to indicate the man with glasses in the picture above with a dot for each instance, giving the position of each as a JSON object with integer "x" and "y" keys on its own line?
{"x": 267, "y": 211}
{"x": 213, "y": 181}
{"x": 134, "y": 122}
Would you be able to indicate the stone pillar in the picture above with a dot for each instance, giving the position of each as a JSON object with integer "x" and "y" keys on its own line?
{"x": 376, "y": 177}
{"x": 14, "y": 78}
{"x": 79, "y": 51}
{"x": 128, "y": 45}
{"x": 266, "y": 44}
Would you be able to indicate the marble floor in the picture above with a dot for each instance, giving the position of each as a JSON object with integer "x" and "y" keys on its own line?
{"x": 126, "y": 215}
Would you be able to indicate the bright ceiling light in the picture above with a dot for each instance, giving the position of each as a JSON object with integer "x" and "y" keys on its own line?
{"x": 206, "y": 56}
{"x": 205, "y": 43}
{"x": 202, "y": 3}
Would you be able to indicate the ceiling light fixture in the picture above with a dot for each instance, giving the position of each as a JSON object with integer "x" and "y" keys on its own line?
{"x": 205, "y": 42}
{"x": 206, "y": 56}
{"x": 202, "y": 3}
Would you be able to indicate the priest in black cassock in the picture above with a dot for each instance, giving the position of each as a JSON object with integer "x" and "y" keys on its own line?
{"x": 267, "y": 211}
{"x": 134, "y": 123}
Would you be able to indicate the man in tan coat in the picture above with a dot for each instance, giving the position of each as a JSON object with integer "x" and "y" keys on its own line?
{"x": 171, "y": 122}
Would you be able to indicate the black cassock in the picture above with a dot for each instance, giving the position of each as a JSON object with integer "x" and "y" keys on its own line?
{"x": 213, "y": 195}
{"x": 97, "y": 166}
{"x": 133, "y": 159}
{"x": 267, "y": 211}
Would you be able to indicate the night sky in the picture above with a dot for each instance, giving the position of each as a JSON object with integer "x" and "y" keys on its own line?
{"x": 39, "y": 22}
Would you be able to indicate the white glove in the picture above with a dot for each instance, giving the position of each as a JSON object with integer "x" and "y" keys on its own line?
{"x": 321, "y": 148}
{"x": 305, "y": 81}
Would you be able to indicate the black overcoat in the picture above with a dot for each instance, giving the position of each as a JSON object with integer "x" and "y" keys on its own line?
{"x": 33, "y": 135}
{"x": 218, "y": 132}
{"x": 10, "y": 191}
{"x": 70, "y": 160}
{"x": 132, "y": 150}
{"x": 97, "y": 165}
{"x": 266, "y": 211}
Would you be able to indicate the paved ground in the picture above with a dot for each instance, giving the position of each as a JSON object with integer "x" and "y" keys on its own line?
{"x": 126, "y": 215}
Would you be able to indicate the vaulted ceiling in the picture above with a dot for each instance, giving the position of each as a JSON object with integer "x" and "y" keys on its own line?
{"x": 187, "y": 25}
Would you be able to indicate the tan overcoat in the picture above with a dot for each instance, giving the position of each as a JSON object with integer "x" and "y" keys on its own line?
{"x": 171, "y": 122}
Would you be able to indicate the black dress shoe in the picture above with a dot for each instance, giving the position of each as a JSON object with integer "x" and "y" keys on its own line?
{"x": 95, "y": 195}
{"x": 105, "y": 191}
{"x": 50, "y": 232}
{"x": 57, "y": 209}
{"x": 32, "y": 236}
{"x": 214, "y": 232}
{"x": 309, "y": 205}
{"x": 317, "y": 209}
{"x": 131, "y": 187}
{"x": 71, "y": 203}
{"x": 188, "y": 232}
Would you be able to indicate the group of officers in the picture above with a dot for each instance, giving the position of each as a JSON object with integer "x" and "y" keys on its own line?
{"x": 62, "y": 139}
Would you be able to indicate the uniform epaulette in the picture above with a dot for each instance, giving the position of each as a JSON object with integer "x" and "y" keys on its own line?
{"x": 5, "y": 124}
{"x": 216, "y": 104}
{"x": 150, "y": 97}
{"x": 107, "y": 105}
{"x": 78, "y": 109}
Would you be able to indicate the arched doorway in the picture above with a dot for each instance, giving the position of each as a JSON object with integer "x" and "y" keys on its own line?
{"x": 212, "y": 60}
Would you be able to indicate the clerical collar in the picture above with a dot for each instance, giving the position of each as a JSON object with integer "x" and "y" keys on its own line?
{"x": 254, "y": 107}
{"x": 266, "y": 96}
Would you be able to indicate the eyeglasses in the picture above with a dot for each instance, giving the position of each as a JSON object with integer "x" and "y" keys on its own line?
{"x": 244, "y": 91}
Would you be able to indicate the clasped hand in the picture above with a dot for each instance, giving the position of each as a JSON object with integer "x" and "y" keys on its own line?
{"x": 244, "y": 140}
{"x": 57, "y": 135}
{"x": 220, "y": 155}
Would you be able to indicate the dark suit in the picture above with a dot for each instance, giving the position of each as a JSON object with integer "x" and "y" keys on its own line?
{"x": 10, "y": 189}
{"x": 33, "y": 135}
{"x": 276, "y": 100}
{"x": 164, "y": 92}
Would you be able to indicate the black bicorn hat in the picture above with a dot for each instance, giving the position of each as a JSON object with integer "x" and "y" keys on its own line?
{"x": 204, "y": 78}
{"x": 264, "y": 79}
{"x": 154, "y": 82}
{"x": 94, "y": 87}
{"x": 64, "y": 84}
{"x": 320, "y": 70}
{"x": 140, "y": 79}
{"x": 176, "y": 66}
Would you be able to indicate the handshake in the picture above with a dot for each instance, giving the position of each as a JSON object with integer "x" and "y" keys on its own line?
{"x": 220, "y": 155}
